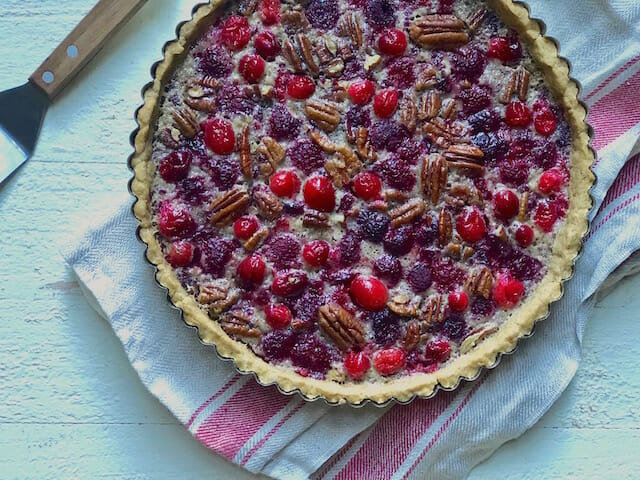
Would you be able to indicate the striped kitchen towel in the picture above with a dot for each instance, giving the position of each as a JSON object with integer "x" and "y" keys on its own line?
{"x": 285, "y": 437}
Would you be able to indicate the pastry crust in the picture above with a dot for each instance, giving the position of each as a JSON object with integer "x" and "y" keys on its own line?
{"x": 468, "y": 366}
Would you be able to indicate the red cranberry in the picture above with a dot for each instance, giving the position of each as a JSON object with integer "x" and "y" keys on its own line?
{"x": 545, "y": 122}
{"x": 437, "y": 350}
{"x": 284, "y": 183}
{"x": 361, "y": 91}
{"x": 251, "y": 67}
{"x": 369, "y": 292}
{"x": 392, "y": 42}
{"x": 267, "y": 45}
{"x": 319, "y": 194}
{"x": 301, "y": 87}
{"x": 517, "y": 115}
{"x": 367, "y": 186}
{"x": 506, "y": 49}
{"x": 181, "y": 253}
{"x": 389, "y": 361}
{"x": 175, "y": 166}
{"x": 175, "y": 221}
{"x": 278, "y": 316}
{"x": 507, "y": 291}
{"x": 470, "y": 225}
{"x": 524, "y": 235}
{"x": 385, "y": 102}
{"x": 357, "y": 364}
{"x": 506, "y": 204}
{"x": 245, "y": 227}
{"x": 270, "y": 11}
{"x": 316, "y": 253}
{"x": 550, "y": 181}
{"x": 458, "y": 301}
{"x": 252, "y": 270}
{"x": 545, "y": 216}
{"x": 219, "y": 136}
{"x": 289, "y": 283}
{"x": 236, "y": 32}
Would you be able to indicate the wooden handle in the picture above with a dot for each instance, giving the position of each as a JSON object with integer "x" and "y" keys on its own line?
{"x": 82, "y": 44}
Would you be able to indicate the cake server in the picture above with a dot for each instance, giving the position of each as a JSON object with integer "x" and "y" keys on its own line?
{"x": 22, "y": 109}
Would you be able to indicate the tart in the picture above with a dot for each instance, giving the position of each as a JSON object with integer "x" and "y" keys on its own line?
{"x": 362, "y": 199}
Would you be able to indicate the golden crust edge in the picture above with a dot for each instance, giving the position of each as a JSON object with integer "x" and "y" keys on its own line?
{"x": 521, "y": 322}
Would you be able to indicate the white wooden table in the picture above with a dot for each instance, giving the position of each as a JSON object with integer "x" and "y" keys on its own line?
{"x": 70, "y": 404}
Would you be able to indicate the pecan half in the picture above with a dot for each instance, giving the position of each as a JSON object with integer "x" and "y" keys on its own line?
{"x": 429, "y": 105}
{"x": 238, "y": 324}
{"x": 290, "y": 54}
{"x": 306, "y": 49}
{"x": 524, "y": 205}
{"x": 449, "y": 109}
{"x": 254, "y": 240}
{"x": 518, "y": 83}
{"x": 464, "y": 153}
{"x": 408, "y": 114}
{"x": 343, "y": 165}
{"x": 273, "y": 154}
{"x": 427, "y": 78}
{"x": 434, "y": 176}
{"x": 458, "y": 252}
{"x": 339, "y": 325}
{"x": 209, "y": 81}
{"x": 407, "y": 213}
{"x": 322, "y": 141}
{"x": 334, "y": 68}
{"x": 325, "y": 50}
{"x": 325, "y": 114}
{"x": 404, "y": 305}
{"x": 270, "y": 205}
{"x": 244, "y": 147}
{"x": 218, "y": 297}
{"x": 445, "y": 227}
{"x": 363, "y": 145}
{"x": 186, "y": 121}
{"x": 438, "y": 31}
{"x": 469, "y": 167}
{"x": 479, "y": 282}
{"x": 412, "y": 335}
{"x": 475, "y": 19}
{"x": 315, "y": 219}
{"x": 460, "y": 195}
{"x": 348, "y": 26}
{"x": 228, "y": 206}
{"x": 432, "y": 312}
{"x": 295, "y": 18}
{"x": 204, "y": 104}
{"x": 444, "y": 133}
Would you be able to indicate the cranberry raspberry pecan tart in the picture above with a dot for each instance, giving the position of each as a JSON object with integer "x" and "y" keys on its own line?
{"x": 362, "y": 199}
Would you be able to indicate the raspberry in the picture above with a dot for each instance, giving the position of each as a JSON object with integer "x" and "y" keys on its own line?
{"x": 224, "y": 171}
{"x": 236, "y": 32}
{"x": 386, "y": 327}
{"x": 546, "y": 155}
{"x": 437, "y": 350}
{"x": 215, "y": 254}
{"x": 427, "y": 231}
{"x": 175, "y": 166}
{"x": 251, "y": 67}
{"x": 323, "y": 14}
{"x": 181, "y": 253}
{"x": 195, "y": 190}
{"x": 399, "y": 241}
{"x": 367, "y": 186}
{"x": 550, "y": 181}
{"x": 396, "y": 173}
{"x": 446, "y": 275}
{"x": 526, "y": 268}
{"x": 545, "y": 122}
{"x": 506, "y": 49}
{"x": 369, "y": 292}
{"x": 267, "y": 45}
{"x": 283, "y": 250}
{"x": 385, "y": 102}
{"x": 307, "y": 305}
{"x": 306, "y": 156}
{"x": 380, "y": 13}
{"x": 484, "y": 121}
{"x": 491, "y": 145}
{"x": 389, "y": 361}
{"x": 270, "y": 11}
{"x": 281, "y": 83}
{"x": 348, "y": 249}
{"x": 319, "y": 194}
{"x": 373, "y": 225}
{"x": 301, "y": 87}
{"x": 454, "y": 327}
{"x": 474, "y": 99}
{"x": 312, "y": 353}
{"x": 517, "y": 114}
{"x": 175, "y": 221}
{"x": 458, "y": 301}
{"x": 357, "y": 117}
{"x": 524, "y": 235}
{"x": 245, "y": 227}
{"x": 216, "y": 62}
{"x": 388, "y": 268}
{"x": 392, "y": 42}
{"x": 284, "y": 183}
{"x": 470, "y": 225}
{"x": 514, "y": 172}
{"x": 400, "y": 73}
{"x": 419, "y": 277}
{"x": 233, "y": 100}
{"x": 289, "y": 283}
{"x": 219, "y": 136}
{"x": 545, "y": 216}
{"x": 361, "y": 91}
{"x": 469, "y": 63}
{"x": 278, "y": 316}
{"x": 346, "y": 202}
{"x": 506, "y": 204}
{"x": 282, "y": 125}
{"x": 277, "y": 344}
{"x": 251, "y": 271}
{"x": 507, "y": 291}
{"x": 483, "y": 307}
{"x": 388, "y": 134}
{"x": 316, "y": 253}
{"x": 357, "y": 364}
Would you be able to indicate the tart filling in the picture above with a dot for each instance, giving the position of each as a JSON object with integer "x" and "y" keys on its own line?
{"x": 357, "y": 198}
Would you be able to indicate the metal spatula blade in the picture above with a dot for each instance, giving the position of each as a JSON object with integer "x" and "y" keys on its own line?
{"x": 22, "y": 111}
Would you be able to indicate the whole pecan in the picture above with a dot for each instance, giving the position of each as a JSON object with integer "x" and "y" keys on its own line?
{"x": 464, "y": 153}
{"x": 295, "y": 18}
{"x": 238, "y": 324}
{"x": 518, "y": 83}
{"x": 202, "y": 104}
{"x": 438, "y": 31}
{"x": 342, "y": 327}
{"x": 228, "y": 206}
{"x": 435, "y": 171}
{"x": 407, "y": 213}
{"x": 270, "y": 206}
